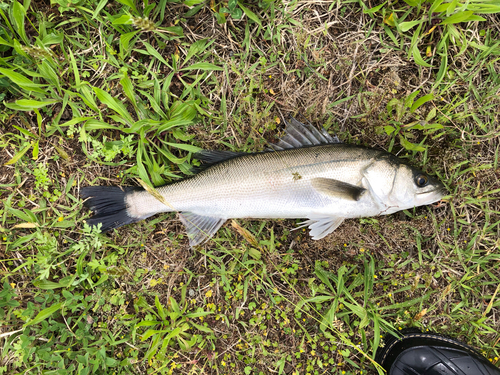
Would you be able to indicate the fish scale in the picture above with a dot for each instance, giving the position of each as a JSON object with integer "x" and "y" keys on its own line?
{"x": 270, "y": 185}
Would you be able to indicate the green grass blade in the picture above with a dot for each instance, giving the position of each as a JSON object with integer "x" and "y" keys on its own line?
{"x": 99, "y": 7}
{"x": 29, "y": 104}
{"x": 129, "y": 3}
{"x": 155, "y": 53}
{"x": 128, "y": 89}
{"x": 18, "y": 14}
{"x": 250, "y": 14}
{"x": 76, "y": 74}
{"x": 202, "y": 66}
{"x": 22, "y": 81}
{"x": 44, "y": 314}
{"x": 418, "y": 57}
{"x": 421, "y": 101}
{"x": 19, "y": 155}
{"x": 113, "y": 103}
{"x": 196, "y": 49}
{"x": 457, "y": 17}
{"x": 125, "y": 43}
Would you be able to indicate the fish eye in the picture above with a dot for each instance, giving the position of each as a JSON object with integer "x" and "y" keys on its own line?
{"x": 421, "y": 180}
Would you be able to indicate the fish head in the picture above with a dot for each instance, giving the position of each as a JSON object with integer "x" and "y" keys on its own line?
{"x": 413, "y": 188}
{"x": 400, "y": 186}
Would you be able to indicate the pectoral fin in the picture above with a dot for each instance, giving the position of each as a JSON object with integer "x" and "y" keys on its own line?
{"x": 337, "y": 189}
{"x": 321, "y": 225}
{"x": 200, "y": 228}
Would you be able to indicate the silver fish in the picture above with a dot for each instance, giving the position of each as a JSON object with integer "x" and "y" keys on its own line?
{"x": 308, "y": 174}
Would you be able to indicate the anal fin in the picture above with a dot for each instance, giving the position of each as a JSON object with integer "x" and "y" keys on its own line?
{"x": 200, "y": 228}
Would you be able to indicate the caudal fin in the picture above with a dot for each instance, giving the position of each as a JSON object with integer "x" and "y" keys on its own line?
{"x": 109, "y": 205}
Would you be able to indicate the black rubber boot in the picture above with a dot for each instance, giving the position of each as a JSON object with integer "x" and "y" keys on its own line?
{"x": 418, "y": 353}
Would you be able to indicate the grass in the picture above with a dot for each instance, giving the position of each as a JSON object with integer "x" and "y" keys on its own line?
{"x": 101, "y": 93}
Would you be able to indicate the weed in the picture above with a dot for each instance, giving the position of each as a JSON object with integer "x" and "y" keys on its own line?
{"x": 436, "y": 25}
{"x": 171, "y": 324}
{"x": 399, "y": 125}
{"x": 42, "y": 180}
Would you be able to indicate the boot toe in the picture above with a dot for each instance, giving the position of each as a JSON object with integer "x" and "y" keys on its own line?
{"x": 417, "y": 353}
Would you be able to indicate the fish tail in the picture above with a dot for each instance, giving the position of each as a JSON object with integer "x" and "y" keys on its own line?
{"x": 109, "y": 205}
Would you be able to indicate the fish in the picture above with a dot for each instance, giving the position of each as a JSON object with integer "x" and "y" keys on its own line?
{"x": 307, "y": 175}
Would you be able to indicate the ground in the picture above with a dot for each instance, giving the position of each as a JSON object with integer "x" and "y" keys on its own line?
{"x": 99, "y": 93}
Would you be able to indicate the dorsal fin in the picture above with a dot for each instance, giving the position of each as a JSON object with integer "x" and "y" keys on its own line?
{"x": 298, "y": 135}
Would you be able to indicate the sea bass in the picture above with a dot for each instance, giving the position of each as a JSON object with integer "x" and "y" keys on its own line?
{"x": 308, "y": 174}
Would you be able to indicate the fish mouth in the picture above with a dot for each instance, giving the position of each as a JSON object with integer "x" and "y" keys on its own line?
{"x": 442, "y": 191}
{"x": 432, "y": 196}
